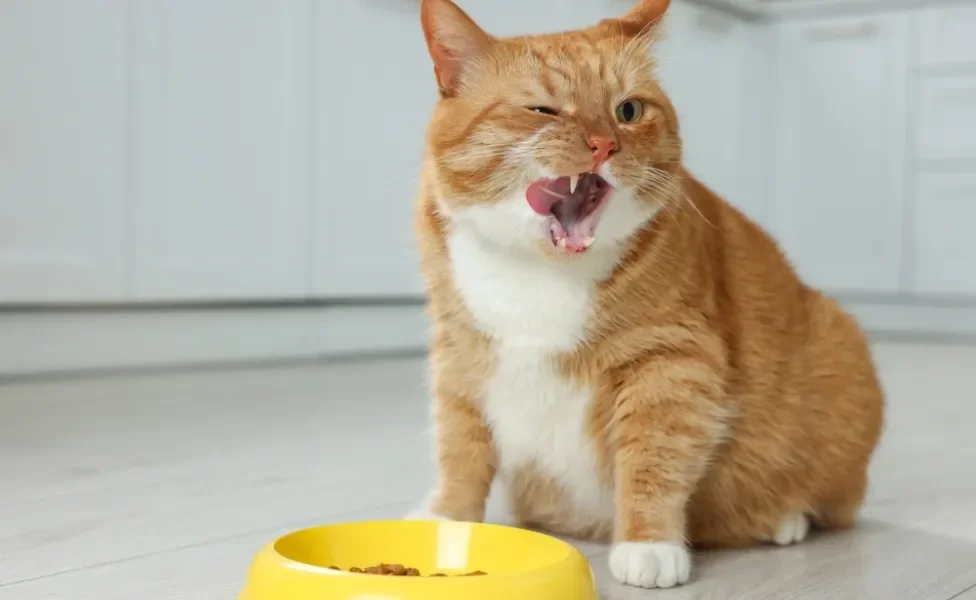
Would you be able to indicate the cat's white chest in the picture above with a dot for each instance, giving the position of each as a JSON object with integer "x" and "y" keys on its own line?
{"x": 540, "y": 419}
{"x": 522, "y": 301}
{"x": 533, "y": 311}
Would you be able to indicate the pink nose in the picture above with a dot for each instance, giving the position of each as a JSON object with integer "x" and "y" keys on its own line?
{"x": 603, "y": 147}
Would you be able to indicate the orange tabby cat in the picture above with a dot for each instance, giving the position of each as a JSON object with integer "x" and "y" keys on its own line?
{"x": 632, "y": 356}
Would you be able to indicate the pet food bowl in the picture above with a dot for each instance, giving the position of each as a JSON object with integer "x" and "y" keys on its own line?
{"x": 519, "y": 564}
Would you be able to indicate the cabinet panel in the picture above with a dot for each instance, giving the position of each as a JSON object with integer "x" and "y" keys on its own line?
{"x": 702, "y": 59}
{"x": 220, "y": 117}
{"x": 945, "y": 260}
{"x": 376, "y": 93}
{"x": 839, "y": 138}
{"x": 947, "y": 118}
{"x": 947, "y": 35}
{"x": 62, "y": 150}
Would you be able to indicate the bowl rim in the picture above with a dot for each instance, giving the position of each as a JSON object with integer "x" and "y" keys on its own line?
{"x": 571, "y": 551}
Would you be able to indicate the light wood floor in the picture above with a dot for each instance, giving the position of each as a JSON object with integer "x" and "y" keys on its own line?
{"x": 162, "y": 486}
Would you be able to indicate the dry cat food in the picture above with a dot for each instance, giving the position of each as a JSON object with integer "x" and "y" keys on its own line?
{"x": 399, "y": 571}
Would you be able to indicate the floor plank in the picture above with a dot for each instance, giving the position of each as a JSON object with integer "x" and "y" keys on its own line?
{"x": 208, "y": 571}
{"x": 163, "y": 485}
{"x": 107, "y": 469}
{"x": 969, "y": 594}
{"x": 875, "y": 562}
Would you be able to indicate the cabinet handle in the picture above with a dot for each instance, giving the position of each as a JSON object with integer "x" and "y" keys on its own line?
{"x": 845, "y": 31}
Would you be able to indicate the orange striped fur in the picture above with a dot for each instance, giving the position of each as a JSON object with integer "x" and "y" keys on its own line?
{"x": 716, "y": 400}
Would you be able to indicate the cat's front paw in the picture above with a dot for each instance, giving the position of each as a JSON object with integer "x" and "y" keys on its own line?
{"x": 650, "y": 564}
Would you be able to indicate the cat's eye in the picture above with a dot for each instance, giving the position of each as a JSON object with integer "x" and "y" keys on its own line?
{"x": 630, "y": 111}
{"x": 544, "y": 110}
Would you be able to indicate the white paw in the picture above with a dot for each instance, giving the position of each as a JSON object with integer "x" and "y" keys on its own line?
{"x": 424, "y": 514}
{"x": 650, "y": 564}
{"x": 792, "y": 530}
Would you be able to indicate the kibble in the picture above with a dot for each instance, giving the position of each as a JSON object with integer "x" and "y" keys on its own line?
{"x": 400, "y": 571}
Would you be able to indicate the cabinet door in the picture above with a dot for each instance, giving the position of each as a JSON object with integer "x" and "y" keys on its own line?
{"x": 220, "y": 116}
{"x": 945, "y": 259}
{"x": 946, "y": 35}
{"x": 702, "y": 57}
{"x": 946, "y": 118}
{"x": 839, "y": 137}
{"x": 62, "y": 150}
{"x": 375, "y": 95}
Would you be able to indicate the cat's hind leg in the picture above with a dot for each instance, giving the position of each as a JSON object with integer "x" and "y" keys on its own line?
{"x": 839, "y": 510}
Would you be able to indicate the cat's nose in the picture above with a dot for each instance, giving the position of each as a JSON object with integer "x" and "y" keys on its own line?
{"x": 603, "y": 147}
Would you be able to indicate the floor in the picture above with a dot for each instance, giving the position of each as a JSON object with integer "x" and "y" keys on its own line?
{"x": 162, "y": 486}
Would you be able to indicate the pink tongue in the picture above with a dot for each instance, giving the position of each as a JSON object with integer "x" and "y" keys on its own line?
{"x": 542, "y": 194}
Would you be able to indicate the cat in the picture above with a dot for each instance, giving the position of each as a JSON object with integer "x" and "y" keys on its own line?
{"x": 634, "y": 358}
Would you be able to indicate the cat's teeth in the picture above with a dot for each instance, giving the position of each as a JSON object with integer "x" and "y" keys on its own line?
{"x": 573, "y": 180}
{"x": 562, "y": 242}
{"x": 588, "y": 241}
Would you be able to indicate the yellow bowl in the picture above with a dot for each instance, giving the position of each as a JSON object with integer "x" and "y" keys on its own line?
{"x": 520, "y": 564}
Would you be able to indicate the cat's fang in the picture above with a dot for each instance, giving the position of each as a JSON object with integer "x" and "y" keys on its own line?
{"x": 573, "y": 181}
{"x": 588, "y": 241}
{"x": 562, "y": 242}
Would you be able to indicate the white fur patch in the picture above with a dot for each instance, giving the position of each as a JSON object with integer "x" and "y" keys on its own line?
{"x": 792, "y": 530}
{"x": 535, "y": 308}
{"x": 522, "y": 300}
{"x": 541, "y": 419}
{"x": 650, "y": 564}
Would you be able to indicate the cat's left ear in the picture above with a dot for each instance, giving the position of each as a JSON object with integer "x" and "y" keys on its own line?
{"x": 645, "y": 16}
{"x": 454, "y": 40}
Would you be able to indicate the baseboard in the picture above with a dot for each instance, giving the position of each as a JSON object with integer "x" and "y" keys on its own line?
{"x": 36, "y": 342}
{"x": 915, "y": 320}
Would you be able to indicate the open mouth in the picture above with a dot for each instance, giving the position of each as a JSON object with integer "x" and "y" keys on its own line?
{"x": 573, "y": 205}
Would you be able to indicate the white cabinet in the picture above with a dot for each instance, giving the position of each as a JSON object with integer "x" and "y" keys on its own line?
{"x": 839, "y": 142}
{"x": 946, "y": 35}
{"x": 220, "y": 203}
{"x": 947, "y": 118}
{"x": 62, "y": 150}
{"x": 375, "y": 94}
{"x": 945, "y": 252}
{"x": 173, "y": 150}
{"x": 703, "y": 66}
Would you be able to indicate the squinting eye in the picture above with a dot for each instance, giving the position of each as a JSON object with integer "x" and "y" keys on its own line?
{"x": 544, "y": 110}
{"x": 630, "y": 111}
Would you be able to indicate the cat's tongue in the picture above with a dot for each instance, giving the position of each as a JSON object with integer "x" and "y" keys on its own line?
{"x": 573, "y": 215}
{"x": 543, "y": 194}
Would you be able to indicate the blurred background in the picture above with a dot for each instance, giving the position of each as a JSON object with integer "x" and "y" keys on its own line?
{"x": 196, "y": 194}
{"x": 167, "y": 164}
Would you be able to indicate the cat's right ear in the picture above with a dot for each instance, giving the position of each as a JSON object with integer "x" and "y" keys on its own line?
{"x": 644, "y": 16}
{"x": 454, "y": 40}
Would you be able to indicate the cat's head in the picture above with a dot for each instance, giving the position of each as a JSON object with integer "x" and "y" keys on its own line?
{"x": 558, "y": 143}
